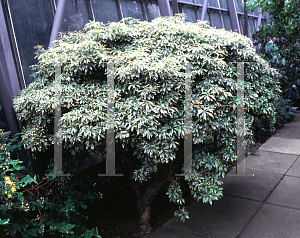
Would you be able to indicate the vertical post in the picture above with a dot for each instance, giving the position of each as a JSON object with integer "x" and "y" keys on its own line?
{"x": 240, "y": 115}
{"x": 57, "y": 124}
{"x": 58, "y": 18}
{"x": 144, "y": 10}
{"x": 240, "y": 128}
{"x": 204, "y": 10}
{"x": 11, "y": 78}
{"x": 233, "y": 16}
{"x": 175, "y": 7}
{"x": 7, "y": 99}
{"x": 57, "y": 168}
{"x": 164, "y": 7}
{"x": 259, "y": 20}
{"x": 12, "y": 57}
{"x": 120, "y": 12}
{"x": 188, "y": 140}
{"x": 110, "y": 136}
{"x": 91, "y": 12}
{"x": 245, "y": 20}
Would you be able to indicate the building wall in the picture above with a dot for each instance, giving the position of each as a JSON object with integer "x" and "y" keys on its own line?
{"x": 27, "y": 23}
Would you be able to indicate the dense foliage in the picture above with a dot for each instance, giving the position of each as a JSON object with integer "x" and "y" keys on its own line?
{"x": 279, "y": 42}
{"x": 150, "y": 68}
{"x": 33, "y": 207}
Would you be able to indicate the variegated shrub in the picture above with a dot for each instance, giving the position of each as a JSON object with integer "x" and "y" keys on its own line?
{"x": 149, "y": 60}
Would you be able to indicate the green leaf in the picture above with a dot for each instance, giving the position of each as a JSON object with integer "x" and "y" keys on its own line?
{"x": 4, "y": 221}
{"x": 66, "y": 228}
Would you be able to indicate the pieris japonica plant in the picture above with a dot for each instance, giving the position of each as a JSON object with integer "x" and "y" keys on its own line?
{"x": 149, "y": 84}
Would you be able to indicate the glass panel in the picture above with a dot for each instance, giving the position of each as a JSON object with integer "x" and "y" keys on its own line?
{"x": 171, "y": 8}
{"x": 200, "y": 14}
{"x": 200, "y": 1}
{"x": 32, "y": 22}
{"x": 223, "y": 4}
{"x": 239, "y": 7}
{"x": 249, "y": 32}
{"x": 3, "y": 121}
{"x": 241, "y": 18}
{"x": 105, "y": 10}
{"x": 190, "y": 13}
{"x": 255, "y": 22}
{"x": 76, "y": 15}
{"x": 216, "y": 21}
{"x": 251, "y": 25}
{"x": 152, "y": 9}
{"x": 132, "y": 9}
{"x": 226, "y": 20}
{"x": 213, "y": 3}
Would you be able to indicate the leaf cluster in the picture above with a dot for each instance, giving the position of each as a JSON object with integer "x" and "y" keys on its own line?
{"x": 149, "y": 94}
{"x": 33, "y": 207}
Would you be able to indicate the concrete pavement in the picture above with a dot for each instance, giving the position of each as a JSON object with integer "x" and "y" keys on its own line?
{"x": 264, "y": 206}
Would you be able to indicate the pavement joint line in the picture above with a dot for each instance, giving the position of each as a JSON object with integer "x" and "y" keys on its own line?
{"x": 265, "y": 200}
{"x": 289, "y": 125}
{"x": 249, "y": 199}
{"x": 277, "y": 205}
{"x": 252, "y": 217}
{"x": 284, "y": 137}
{"x": 274, "y": 188}
{"x": 281, "y": 152}
{"x": 176, "y": 228}
{"x": 293, "y": 176}
{"x": 273, "y": 152}
{"x": 268, "y": 172}
{"x": 291, "y": 166}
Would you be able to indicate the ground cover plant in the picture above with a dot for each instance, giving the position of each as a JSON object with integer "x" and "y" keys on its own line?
{"x": 33, "y": 207}
{"x": 150, "y": 63}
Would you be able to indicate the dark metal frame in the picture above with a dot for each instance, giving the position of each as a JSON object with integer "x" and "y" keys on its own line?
{"x": 11, "y": 74}
{"x": 11, "y": 78}
{"x": 165, "y": 10}
{"x": 204, "y": 10}
{"x": 144, "y": 10}
{"x": 91, "y": 11}
{"x": 233, "y": 13}
{"x": 9, "y": 34}
{"x": 164, "y": 7}
{"x": 120, "y": 12}
{"x": 245, "y": 20}
{"x": 57, "y": 22}
{"x": 175, "y": 7}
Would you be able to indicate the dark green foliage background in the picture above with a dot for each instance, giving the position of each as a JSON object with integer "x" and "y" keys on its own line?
{"x": 279, "y": 42}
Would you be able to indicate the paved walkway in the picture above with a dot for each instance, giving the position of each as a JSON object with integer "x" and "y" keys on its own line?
{"x": 264, "y": 206}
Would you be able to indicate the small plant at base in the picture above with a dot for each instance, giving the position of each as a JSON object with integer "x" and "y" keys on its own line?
{"x": 26, "y": 208}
